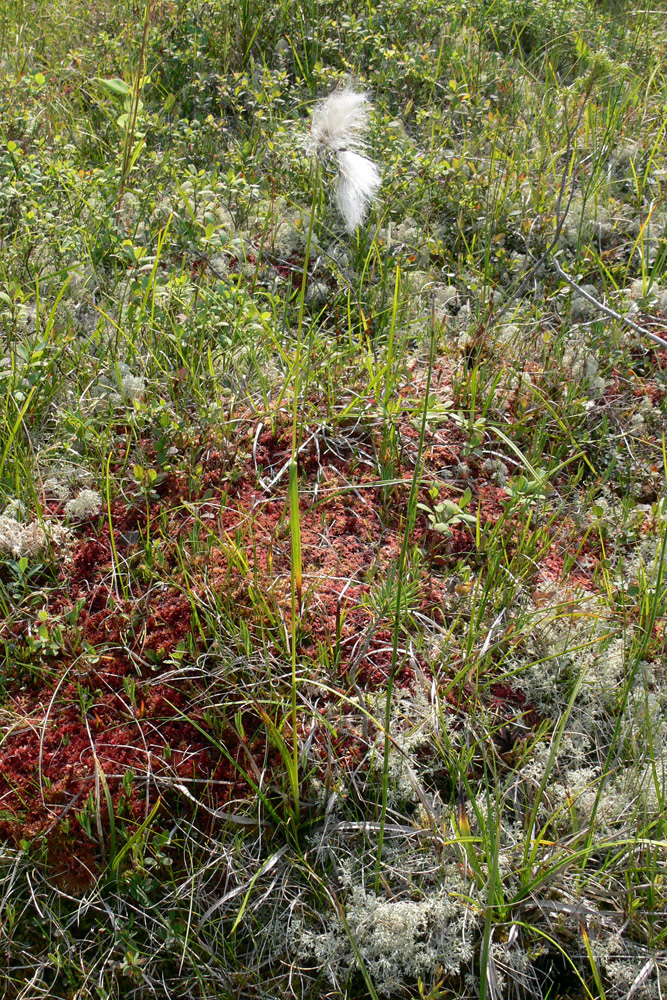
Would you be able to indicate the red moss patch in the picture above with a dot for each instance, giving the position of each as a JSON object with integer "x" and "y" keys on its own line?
{"x": 111, "y": 703}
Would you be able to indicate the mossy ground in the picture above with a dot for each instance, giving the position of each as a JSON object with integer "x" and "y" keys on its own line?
{"x": 424, "y": 754}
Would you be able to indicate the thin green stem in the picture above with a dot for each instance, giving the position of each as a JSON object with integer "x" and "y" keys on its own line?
{"x": 128, "y": 144}
{"x": 409, "y": 526}
{"x": 295, "y": 518}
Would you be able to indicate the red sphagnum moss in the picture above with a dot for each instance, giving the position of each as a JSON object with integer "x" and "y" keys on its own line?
{"x": 101, "y": 710}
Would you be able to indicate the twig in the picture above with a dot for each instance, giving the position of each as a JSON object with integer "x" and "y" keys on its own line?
{"x": 607, "y": 310}
{"x": 61, "y": 815}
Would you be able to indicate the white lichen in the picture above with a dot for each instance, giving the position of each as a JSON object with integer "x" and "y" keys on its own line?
{"x": 120, "y": 386}
{"x": 86, "y": 505}
{"x": 56, "y": 487}
{"x": 27, "y": 540}
{"x": 15, "y": 509}
{"x": 132, "y": 387}
{"x": 397, "y": 939}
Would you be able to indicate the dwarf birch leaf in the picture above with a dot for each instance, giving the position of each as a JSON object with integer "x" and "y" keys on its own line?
{"x": 115, "y": 85}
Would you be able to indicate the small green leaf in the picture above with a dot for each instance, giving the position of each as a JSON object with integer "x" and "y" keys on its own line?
{"x": 39, "y": 79}
{"x": 115, "y": 85}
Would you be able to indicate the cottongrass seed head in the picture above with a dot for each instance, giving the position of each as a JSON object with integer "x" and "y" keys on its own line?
{"x": 340, "y": 122}
{"x": 339, "y": 126}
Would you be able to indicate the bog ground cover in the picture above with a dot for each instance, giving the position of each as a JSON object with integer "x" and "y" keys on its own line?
{"x": 332, "y": 555}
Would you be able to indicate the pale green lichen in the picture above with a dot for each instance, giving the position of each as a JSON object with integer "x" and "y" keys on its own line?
{"x": 86, "y": 505}
{"x": 396, "y": 939}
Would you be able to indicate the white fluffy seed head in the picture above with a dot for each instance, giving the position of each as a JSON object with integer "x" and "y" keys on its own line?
{"x": 340, "y": 121}
{"x": 339, "y": 126}
{"x": 358, "y": 184}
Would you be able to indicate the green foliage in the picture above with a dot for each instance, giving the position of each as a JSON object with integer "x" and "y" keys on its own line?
{"x": 538, "y": 31}
{"x": 448, "y": 514}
